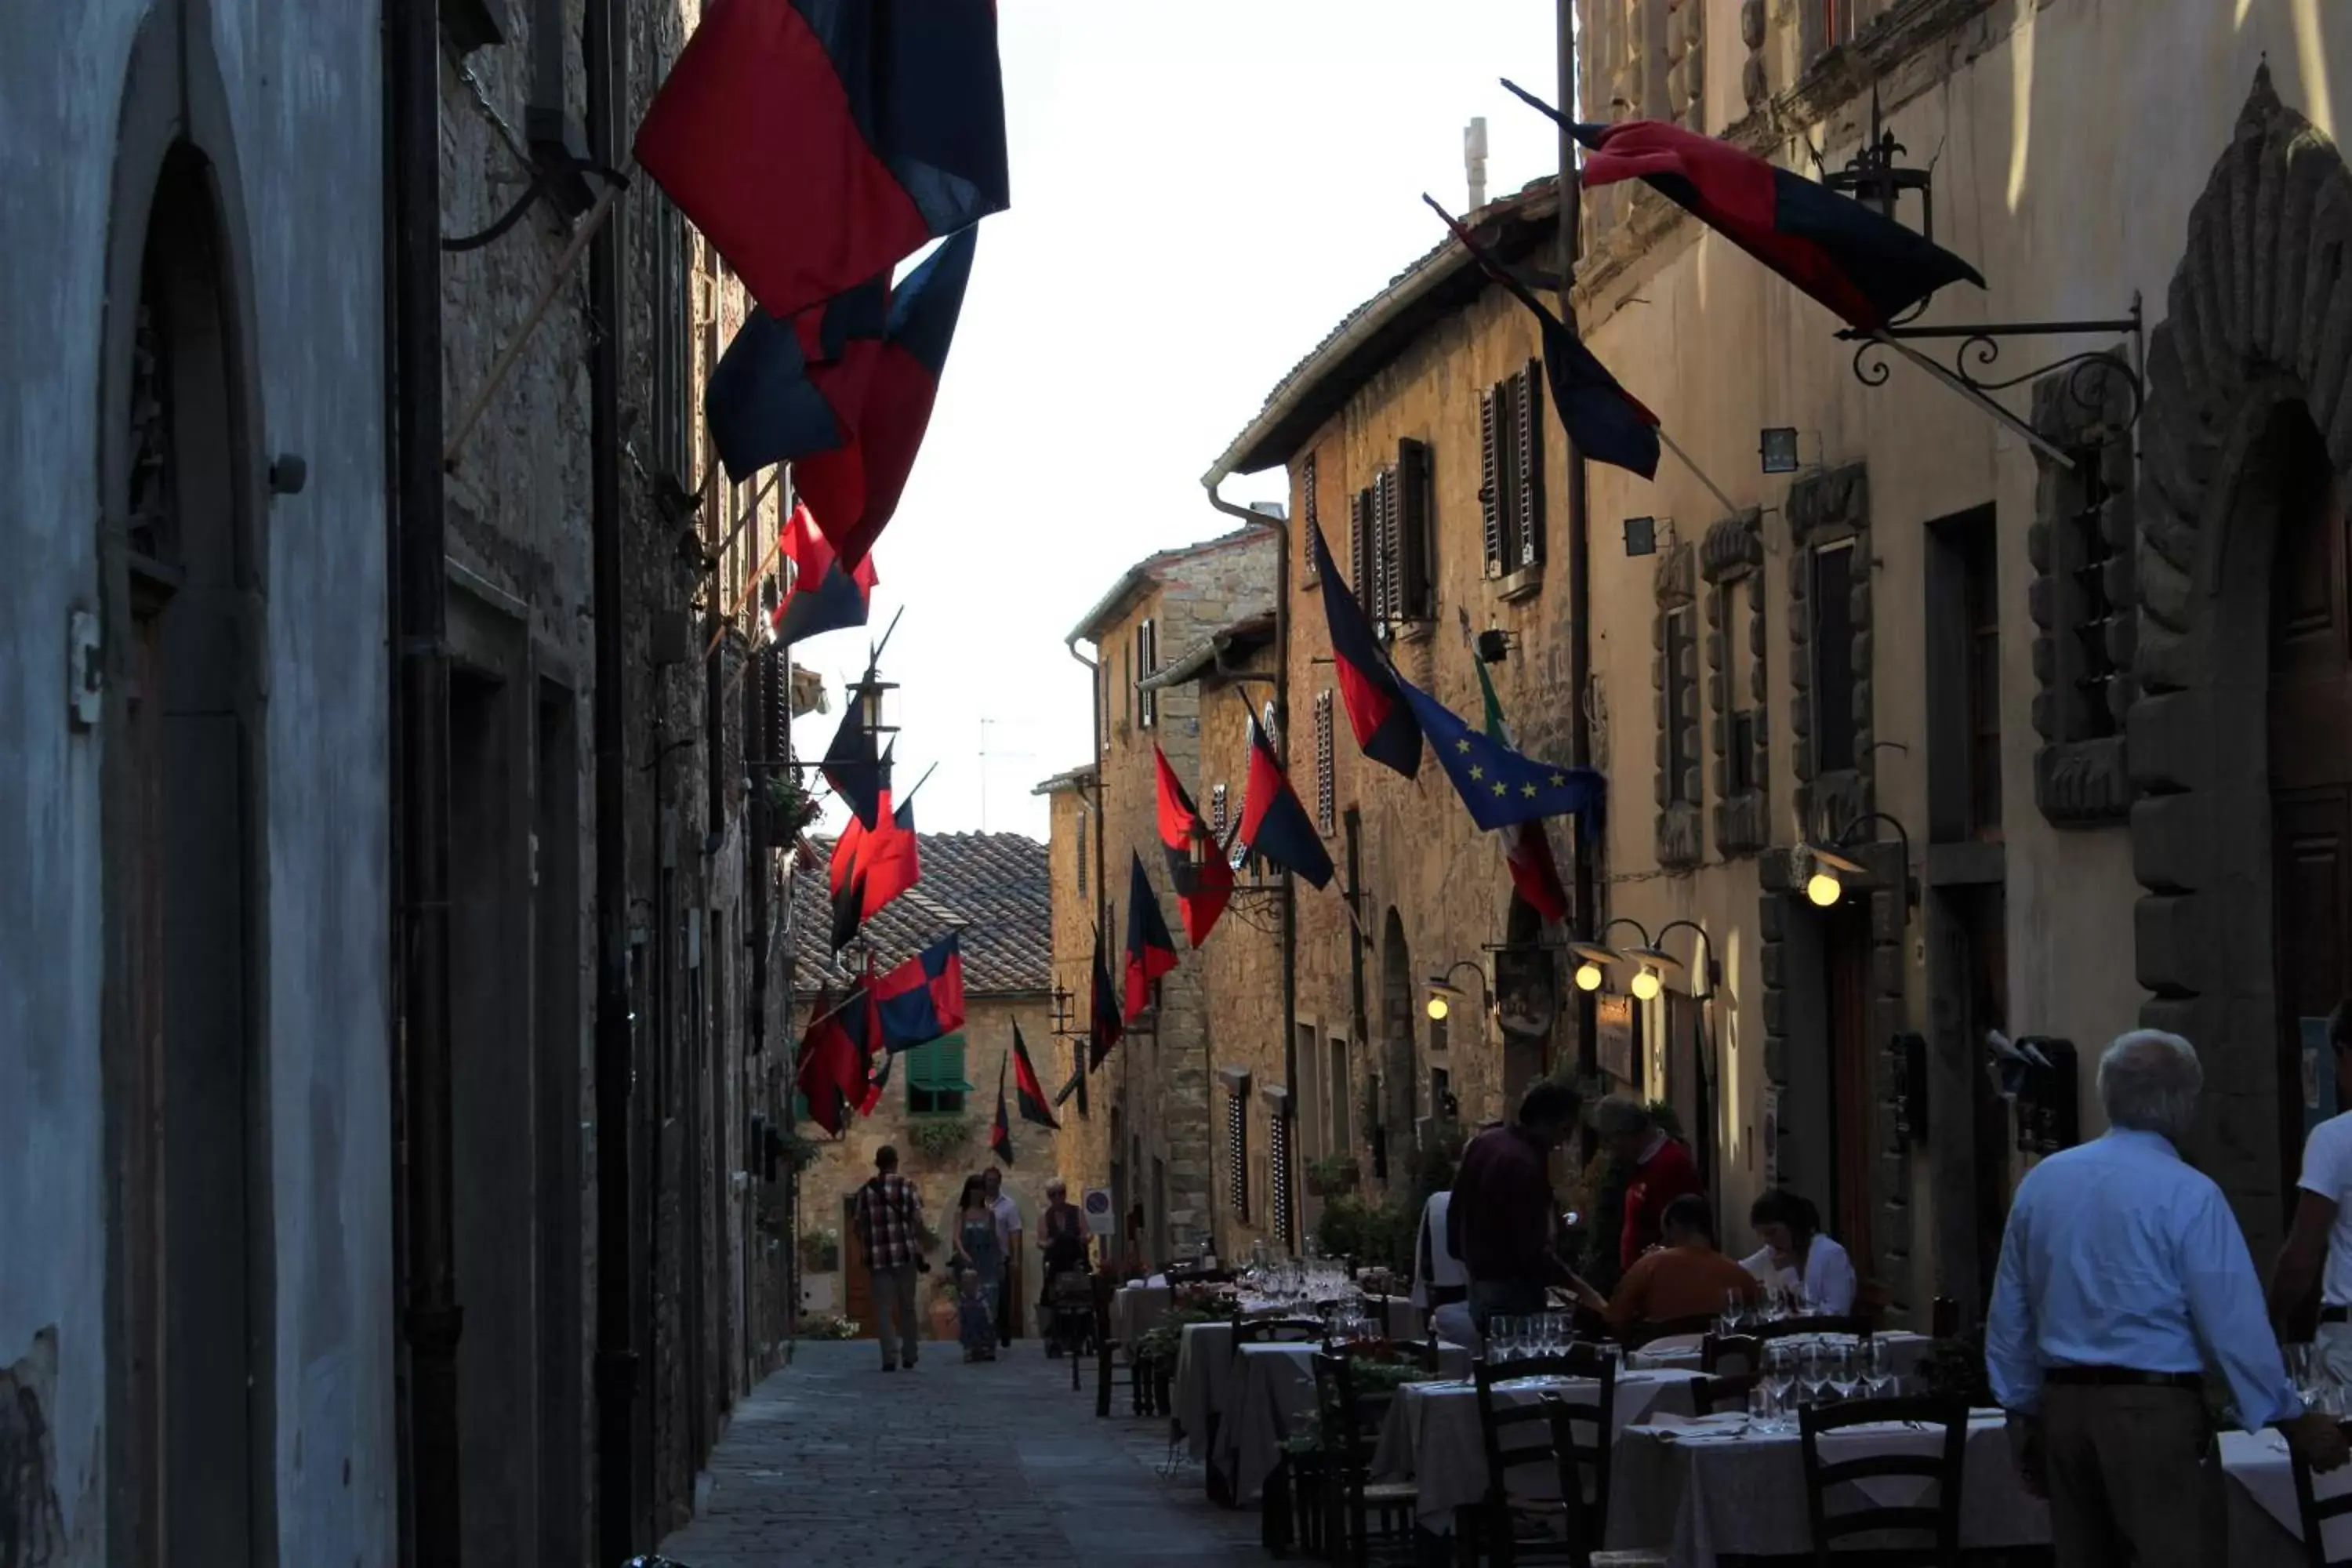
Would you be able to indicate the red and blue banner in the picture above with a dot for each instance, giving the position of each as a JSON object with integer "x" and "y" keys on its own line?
{"x": 1383, "y": 725}
{"x": 853, "y": 488}
{"x": 922, "y": 998}
{"x": 1197, "y": 867}
{"x": 1150, "y": 951}
{"x": 823, "y": 597}
{"x": 1274, "y": 823}
{"x": 785, "y": 389}
{"x": 830, "y": 1073}
{"x": 1028, "y": 1088}
{"x": 853, "y": 766}
{"x": 819, "y": 143}
{"x": 1000, "y": 1132}
{"x": 1104, "y": 1027}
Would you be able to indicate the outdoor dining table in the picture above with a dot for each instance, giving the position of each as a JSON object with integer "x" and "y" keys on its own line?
{"x": 1204, "y": 1359}
{"x": 1136, "y": 1307}
{"x": 1910, "y": 1349}
{"x": 1433, "y": 1435}
{"x": 2265, "y": 1523}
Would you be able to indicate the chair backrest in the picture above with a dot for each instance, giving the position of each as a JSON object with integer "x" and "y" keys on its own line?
{"x": 1351, "y": 1415}
{"x": 2317, "y": 1511}
{"x": 1938, "y": 1519}
{"x": 1717, "y": 1350}
{"x": 1854, "y": 1323}
{"x": 1518, "y": 1435}
{"x": 1638, "y": 1334}
{"x": 1727, "y": 1392}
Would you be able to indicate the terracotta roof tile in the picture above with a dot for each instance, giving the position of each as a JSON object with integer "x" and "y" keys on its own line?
{"x": 993, "y": 886}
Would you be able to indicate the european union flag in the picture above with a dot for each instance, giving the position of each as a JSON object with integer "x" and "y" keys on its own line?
{"x": 1500, "y": 785}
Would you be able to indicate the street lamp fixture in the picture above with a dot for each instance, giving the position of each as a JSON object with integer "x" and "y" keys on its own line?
{"x": 1443, "y": 992}
{"x": 1594, "y": 958}
{"x": 1831, "y": 871}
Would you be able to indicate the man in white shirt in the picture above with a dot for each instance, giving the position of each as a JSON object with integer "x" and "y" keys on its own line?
{"x": 2315, "y": 1267}
{"x": 1008, "y": 1243}
{"x": 1439, "y": 1280}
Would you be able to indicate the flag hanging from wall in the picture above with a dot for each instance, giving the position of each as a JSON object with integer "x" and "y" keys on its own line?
{"x": 922, "y": 998}
{"x": 1150, "y": 951}
{"x": 1197, "y": 867}
{"x": 823, "y": 597}
{"x": 1275, "y": 825}
{"x": 1526, "y": 849}
{"x": 1104, "y": 1025}
{"x": 853, "y": 764}
{"x": 831, "y": 1072}
{"x": 787, "y": 388}
{"x": 1000, "y": 1134}
{"x": 1025, "y": 1083}
{"x": 1498, "y": 784}
{"x": 1377, "y": 712}
{"x": 816, "y": 144}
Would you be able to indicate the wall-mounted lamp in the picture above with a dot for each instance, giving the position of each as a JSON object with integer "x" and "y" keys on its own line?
{"x": 1831, "y": 871}
{"x": 1493, "y": 645}
{"x": 1641, "y": 536}
{"x": 1650, "y": 962}
{"x": 1777, "y": 446}
{"x": 1707, "y": 968}
{"x": 1444, "y": 993}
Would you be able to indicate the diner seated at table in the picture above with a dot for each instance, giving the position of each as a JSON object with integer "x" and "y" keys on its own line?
{"x": 1684, "y": 1278}
{"x": 1797, "y": 1255}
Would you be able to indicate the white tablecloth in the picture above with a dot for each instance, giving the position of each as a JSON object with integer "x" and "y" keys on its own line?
{"x": 1205, "y": 1368}
{"x": 1684, "y": 1350}
{"x": 1272, "y": 1388}
{"x": 1135, "y": 1308}
{"x": 2265, "y": 1523}
{"x": 1433, "y": 1435}
{"x": 1700, "y": 1491}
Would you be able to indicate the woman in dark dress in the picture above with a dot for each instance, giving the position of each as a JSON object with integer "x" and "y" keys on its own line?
{"x": 1063, "y": 1236}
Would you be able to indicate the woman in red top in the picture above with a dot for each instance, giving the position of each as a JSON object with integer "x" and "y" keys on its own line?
{"x": 1662, "y": 1170}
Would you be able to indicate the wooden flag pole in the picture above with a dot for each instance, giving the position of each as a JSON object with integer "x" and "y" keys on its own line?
{"x": 751, "y": 584}
{"x": 1972, "y": 395}
{"x": 1716, "y": 490}
{"x": 597, "y": 217}
{"x": 750, "y": 512}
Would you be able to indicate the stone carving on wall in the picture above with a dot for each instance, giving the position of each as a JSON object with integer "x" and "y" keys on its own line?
{"x": 1731, "y": 555}
{"x": 1755, "y": 82}
{"x": 1674, "y": 686}
{"x": 1686, "y": 62}
{"x": 1824, "y": 508}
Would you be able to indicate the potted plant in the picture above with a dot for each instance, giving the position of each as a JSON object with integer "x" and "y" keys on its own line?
{"x": 942, "y": 1138}
{"x": 820, "y": 1250}
{"x": 1332, "y": 1175}
{"x": 791, "y": 808}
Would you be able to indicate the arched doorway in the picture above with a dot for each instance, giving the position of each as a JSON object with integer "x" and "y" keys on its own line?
{"x": 2244, "y": 644}
{"x": 1399, "y": 1064}
{"x": 183, "y": 634}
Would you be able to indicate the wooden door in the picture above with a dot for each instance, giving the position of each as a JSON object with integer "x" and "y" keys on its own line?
{"x": 1846, "y": 954}
{"x": 856, "y": 1283}
{"x": 2310, "y": 762}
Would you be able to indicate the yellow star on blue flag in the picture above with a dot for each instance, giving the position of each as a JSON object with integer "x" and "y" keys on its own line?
{"x": 1500, "y": 785}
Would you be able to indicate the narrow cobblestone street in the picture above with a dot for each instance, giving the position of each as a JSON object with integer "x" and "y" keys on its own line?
{"x": 830, "y": 1461}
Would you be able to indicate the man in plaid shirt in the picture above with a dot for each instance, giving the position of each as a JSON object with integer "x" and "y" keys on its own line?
{"x": 889, "y": 1217}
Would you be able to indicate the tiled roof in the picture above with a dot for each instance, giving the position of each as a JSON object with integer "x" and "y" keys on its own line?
{"x": 992, "y": 885}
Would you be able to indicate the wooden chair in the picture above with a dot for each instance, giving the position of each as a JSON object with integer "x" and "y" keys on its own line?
{"x": 1716, "y": 1350}
{"x": 1855, "y": 1324}
{"x": 1636, "y": 1335}
{"x": 1540, "y": 1434}
{"x": 1351, "y": 1418}
{"x": 1711, "y": 1395}
{"x": 1112, "y": 1356}
{"x": 1939, "y": 1521}
{"x": 2317, "y": 1511}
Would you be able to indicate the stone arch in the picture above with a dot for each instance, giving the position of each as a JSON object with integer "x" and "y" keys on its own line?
{"x": 2258, "y": 328}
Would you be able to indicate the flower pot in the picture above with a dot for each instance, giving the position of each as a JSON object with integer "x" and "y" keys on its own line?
{"x": 943, "y": 1318}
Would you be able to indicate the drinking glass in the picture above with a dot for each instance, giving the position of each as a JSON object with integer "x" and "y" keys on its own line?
{"x": 1780, "y": 1372}
{"x": 1555, "y": 1335}
{"x": 1885, "y": 1380}
{"x": 1813, "y": 1370}
{"x": 1844, "y": 1373}
{"x": 1735, "y": 1311}
{"x": 1502, "y": 1338}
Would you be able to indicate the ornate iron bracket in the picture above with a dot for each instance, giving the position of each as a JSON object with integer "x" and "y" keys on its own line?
{"x": 1978, "y": 349}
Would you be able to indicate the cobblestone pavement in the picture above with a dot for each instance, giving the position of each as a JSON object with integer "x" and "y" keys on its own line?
{"x": 830, "y": 1461}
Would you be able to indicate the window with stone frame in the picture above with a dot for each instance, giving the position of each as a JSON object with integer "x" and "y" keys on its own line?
{"x": 1681, "y": 835}
{"x": 1413, "y": 577}
{"x": 1510, "y": 471}
{"x": 1829, "y": 635}
{"x": 2084, "y": 598}
{"x": 1326, "y": 787}
{"x": 1731, "y": 566}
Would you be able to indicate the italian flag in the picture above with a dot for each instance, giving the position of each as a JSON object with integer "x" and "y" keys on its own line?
{"x": 1524, "y": 848}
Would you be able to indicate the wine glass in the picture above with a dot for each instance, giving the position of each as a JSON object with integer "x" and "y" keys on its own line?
{"x": 1843, "y": 1372}
{"x": 1735, "y": 1311}
{"x": 1812, "y": 1370}
{"x": 1780, "y": 1374}
{"x": 1885, "y": 1380}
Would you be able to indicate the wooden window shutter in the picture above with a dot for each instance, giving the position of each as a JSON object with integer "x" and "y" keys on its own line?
{"x": 1326, "y": 792}
{"x": 1527, "y": 451}
{"x": 1389, "y": 522}
{"x": 1413, "y": 591}
{"x": 1147, "y": 663}
{"x": 1359, "y": 548}
{"x": 1306, "y": 508}
{"x": 1217, "y": 812}
{"x": 1490, "y": 477}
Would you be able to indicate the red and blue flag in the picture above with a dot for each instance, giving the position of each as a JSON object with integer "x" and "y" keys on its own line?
{"x": 1000, "y": 1132}
{"x": 1150, "y": 951}
{"x": 1104, "y": 1027}
{"x": 785, "y": 389}
{"x": 1383, "y": 725}
{"x": 853, "y": 488}
{"x": 819, "y": 143}
{"x": 1274, "y": 823}
{"x": 830, "y": 1073}
{"x": 823, "y": 597}
{"x": 1028, "y": 1088}
{"x": 922, "y": 998}
{"x": 1197, "y": 867}
{"x": 853, "y": 766}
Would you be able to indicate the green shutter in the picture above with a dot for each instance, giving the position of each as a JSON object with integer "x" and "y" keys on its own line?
{"x": 935, "y": 1080}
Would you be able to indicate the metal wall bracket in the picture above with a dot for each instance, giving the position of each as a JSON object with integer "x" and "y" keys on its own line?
{"x": 1977, "y": 349}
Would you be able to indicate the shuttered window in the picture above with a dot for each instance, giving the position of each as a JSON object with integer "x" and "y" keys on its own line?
{"x": 1313, "y": 521}
{"x": 1494, "y": 410}
{"x": 1389, "y": 529}
{"x": 1527, "y": 461}
{"x": 1237, "y": 1150}
{"x": 1415, "y": 588}
{"x": 935, "y": 1084}
{"x": 1326, "y": 793}
{"x": 1360, "y": 549}
{"x": 1510, "y": 471}
{"x": 1147, "y": 661}
{"x": 1217, "y": 812}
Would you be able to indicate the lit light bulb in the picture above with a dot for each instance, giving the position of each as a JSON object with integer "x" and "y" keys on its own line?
{"x": 1588, "y": 977}
{"x": 1645, "y": 986}
{"x": 1824, "y": 889}
{"x": 1437, "y": 1005}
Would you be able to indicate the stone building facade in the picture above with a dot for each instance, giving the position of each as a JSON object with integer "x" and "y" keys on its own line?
{"x": 1153, "y": 1096}
{"x": 936, "y": 1108}
{"x": 1988, "y": 681}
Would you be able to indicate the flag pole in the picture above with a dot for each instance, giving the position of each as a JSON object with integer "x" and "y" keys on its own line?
{"x": 595, "y": 220}
{"x": 1982, "y": 400}
{"x": 752, "y": 511}
{"x": 874, "y": 650}
{"x": 751, "y": 583}
{"x": 1716, "y": 490}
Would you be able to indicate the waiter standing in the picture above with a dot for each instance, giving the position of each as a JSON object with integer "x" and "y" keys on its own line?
{"x": 2317, "y": 1256}
{"x": 2119, "y": 1263}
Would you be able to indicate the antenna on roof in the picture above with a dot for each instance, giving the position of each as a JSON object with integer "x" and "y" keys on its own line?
{"x": 1474, "y": 160}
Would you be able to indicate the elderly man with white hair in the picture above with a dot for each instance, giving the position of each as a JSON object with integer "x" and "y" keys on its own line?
{"x": 2123, "y": 1273}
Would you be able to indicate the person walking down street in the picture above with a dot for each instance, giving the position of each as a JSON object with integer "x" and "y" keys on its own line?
{"x": 1662, "y": 1170}
{"x": 2123, "y": 1273}
{"x": 1062, "y": 1236}
{"x": 1797, "y": 1255}
{"x": 976, "y": 1245}
{"x": 1501, "y": 1222}
{"x": 2315, "y": 1267}
{"x": 1008, "y": 1249}
{"x": 888, "y": 1219}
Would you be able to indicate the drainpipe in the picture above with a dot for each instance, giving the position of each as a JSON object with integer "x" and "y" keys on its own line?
{"x": 1579, "y": 563}
{"x": 432, "y": 1319}
{"x": 617, "y": 1480}
{"x": 1280, "y": 529}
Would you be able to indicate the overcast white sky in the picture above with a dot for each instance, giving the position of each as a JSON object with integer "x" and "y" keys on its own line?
{"x": 1199, "y": 193}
